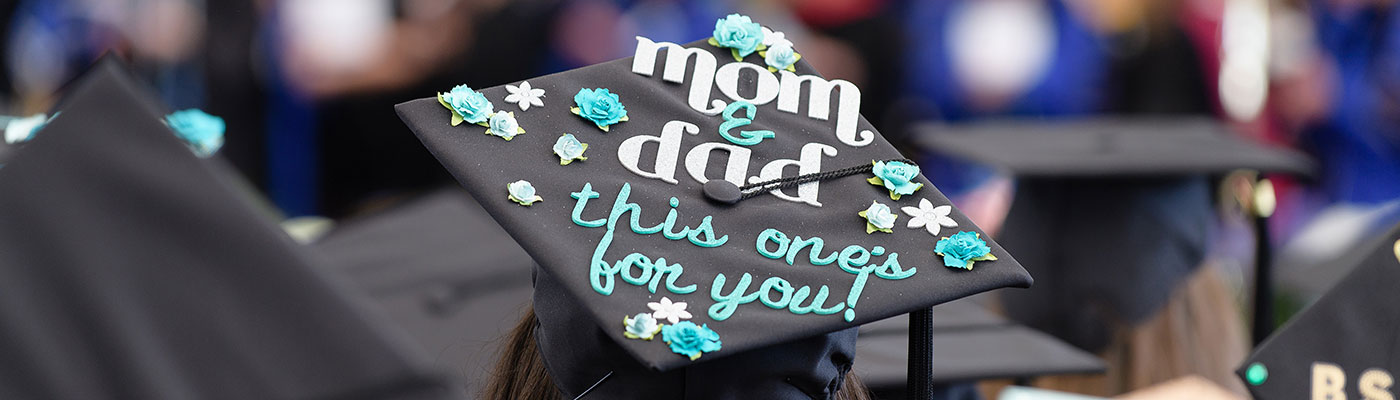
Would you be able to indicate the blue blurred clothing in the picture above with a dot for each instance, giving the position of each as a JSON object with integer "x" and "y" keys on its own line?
{"x": 1073, "y": 83}
{"x": 1359, "y": 143}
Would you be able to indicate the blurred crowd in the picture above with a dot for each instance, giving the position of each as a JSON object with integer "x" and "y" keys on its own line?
{"x": 307, "y": 85}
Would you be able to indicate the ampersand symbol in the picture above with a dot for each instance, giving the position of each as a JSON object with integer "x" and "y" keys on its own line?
{"x": 746, "y": 138}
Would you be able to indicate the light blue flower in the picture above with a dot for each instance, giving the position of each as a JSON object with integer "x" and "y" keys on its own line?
{"x": 466, "y": 105}
{"x": 22, "y": 129}
{"x": 640, "y": 326}
{"x": 878, "y": 217}
{"x": 503, "y": 124}
{"x": 568, "y": 148}
{"x": 522, "y": 192}
{"x": 740, "y": 34}
{"x": 689, "y": 339}
{"x": 963, "y": 249}
{"x": 600, "y": 107}
{"x": 897, "y": 176}
{"x": 203, "y": 132}
{"x": 781, "y": 56}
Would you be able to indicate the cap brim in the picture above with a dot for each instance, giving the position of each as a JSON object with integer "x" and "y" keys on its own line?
{"x": 1109, "y": 147}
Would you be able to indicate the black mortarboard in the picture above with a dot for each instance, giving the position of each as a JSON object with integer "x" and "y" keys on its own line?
{"x": 1346, "y": 345}
{"x": 1109, "y": 214}
{"x": 652, "y": 125}
{"x": 129, "y": 270}
{"x": 443, "y": 270}
{"x": 970, "y": 344}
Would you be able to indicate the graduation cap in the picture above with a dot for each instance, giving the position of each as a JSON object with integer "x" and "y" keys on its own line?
{"x": 1109, "y": 214}
{"x": 129, "y": 270}
{"x": 691, "y": 210}
{"x": 970, "y": 344}
{"x": 443, "y": 271}
{"x": 1345, "y": 345}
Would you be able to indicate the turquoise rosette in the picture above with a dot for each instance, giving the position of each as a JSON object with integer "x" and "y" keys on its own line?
{"x": 897, "y": 176}
{"x": 19, "y": 130}
{"x": 690, "y": 340}
{"x": 738, "y": 33}
{"x": 878, "y": 217}
{"x": 568, "y": 148}
{"x": 962, "y": 249}
{"x": 503, "y": 124}
{"x": 204, "y": 133}
{"x": 781, "y": 56}
{"x": 522, "y": 192}
{"x": 641, "y": 326}
{"x": 467, "y": 105}
{"x": 600, "y": 107}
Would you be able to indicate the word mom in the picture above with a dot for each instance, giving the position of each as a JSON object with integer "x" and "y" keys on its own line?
{"x": 787, "y": 90}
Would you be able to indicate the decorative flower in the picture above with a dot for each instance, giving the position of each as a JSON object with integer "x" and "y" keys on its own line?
{"x": 600, "y": 107}
{"x": 503, "y": 124}
{"x": 467, "y": 105}
{"x": 878, "y": 217}
{"x": 525, "y": 96}
{"x": 781, "y": 56}
{"x": 929, "y": 217}
{"x": 740, "y": 34}
{"x": 690, "y": 340}
{"x": 22, "y": 129}
{"x": 669, "y": 311}
{"x": 640, "y": 326}
{"x": 772, "y": 37}
{"x": 897, "y": 176}
{"x": 963, "y": 249}
{"x": 522, "y": 192}
{"x": 568, "y": 148}
{"x": 204, "y": 133}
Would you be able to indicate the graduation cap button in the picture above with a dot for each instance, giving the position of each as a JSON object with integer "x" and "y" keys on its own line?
{"x": 722, "y": 191}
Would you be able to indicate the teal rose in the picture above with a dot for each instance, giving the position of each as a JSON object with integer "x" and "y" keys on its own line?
{"x": 522, "y": 192}
{"x": 600, "y": 107}
{"x": 467, "y": 105}
{"x": 963, "y": 249}
{"x": 568, "y": 148}
{"x": 781, "y": 56}
{"x": 503, "y": 124}
{"x": 22, "y": 129}
{"x": 689, "y": 339}
{"x": 739, "y": 33}
{"x": 204, "y": 133}
{"x": 641, "y": 326}
{"x": 897, "y": 176}
{"x": 878, "y": 217}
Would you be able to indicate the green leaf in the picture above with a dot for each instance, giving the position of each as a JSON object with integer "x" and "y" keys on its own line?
{"x": 713, "y": 42}
{"x": 870, "y": 228}
{"x": 876, "y": 181}
{"x": 895, "y": 196}
{"x": 737, "y": 57}
{"x": 576, "y": 110}
{"x": 456, "y": 119}
{"x": 987, "y": 257}
{"x": 444, "y": 103}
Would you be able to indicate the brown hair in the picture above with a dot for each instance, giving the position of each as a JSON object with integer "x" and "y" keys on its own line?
{"x": 519, "y": 374}
{"x": 1199, "y": 332}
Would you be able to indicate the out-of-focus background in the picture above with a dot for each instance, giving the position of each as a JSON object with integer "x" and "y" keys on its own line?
{"x": 307, "y": 86}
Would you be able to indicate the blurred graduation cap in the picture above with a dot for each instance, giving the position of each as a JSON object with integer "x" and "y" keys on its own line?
{"x": 680, "y": 258}
{"x": 970, "y": 344}
{"x": 1343, "y": 346}
{"x": 130, "y": 270}
{"x": 442, "y": 270}
{"x": 1110, "y": 214}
